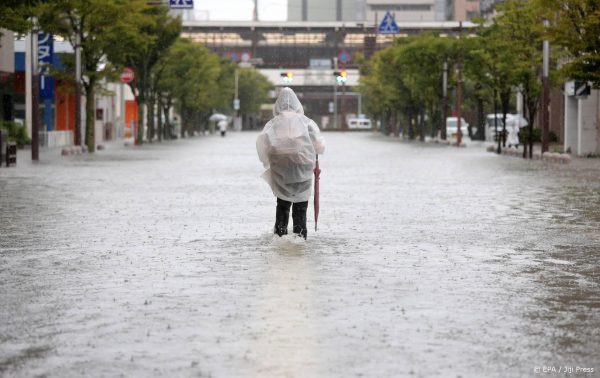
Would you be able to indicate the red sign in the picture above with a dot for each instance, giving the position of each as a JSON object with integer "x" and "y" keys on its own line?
{"x": 127, "y": 75}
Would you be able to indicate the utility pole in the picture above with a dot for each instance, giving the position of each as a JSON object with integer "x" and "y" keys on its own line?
{"x": 335, "y": 84}
{"x": 545, "y": 94}
{"x": 459, "y": 90}
{"x": 344, "y": 124}
{"x": 237, "y": 123}
{"x": 78, "y": 141}
{"x": 499, "y": 149}
{"x": 445, "y": 101}
{"x": 35, "y": 103}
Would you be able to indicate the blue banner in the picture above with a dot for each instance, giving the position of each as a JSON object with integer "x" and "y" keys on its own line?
{"x": 45, "y": 57}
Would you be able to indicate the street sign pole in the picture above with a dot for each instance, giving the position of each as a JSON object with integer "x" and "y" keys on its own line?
{"x": 236, "y": 103}
{"x": 445, "y": 101}
{"x": 344, "y": 125}
{"x": 35, "y": 105}
{"x": 78, "y": 141}
{"x": 545, "y": 94}
{"x": 459, "y": 91}
{"x": 335, "y": 68}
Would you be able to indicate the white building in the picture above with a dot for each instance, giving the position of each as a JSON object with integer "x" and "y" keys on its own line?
{"x": 582, "y": 121}
{"x": 370, "y": 11}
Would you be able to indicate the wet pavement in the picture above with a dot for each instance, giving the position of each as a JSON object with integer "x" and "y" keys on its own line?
{"x": 430, "y": 261}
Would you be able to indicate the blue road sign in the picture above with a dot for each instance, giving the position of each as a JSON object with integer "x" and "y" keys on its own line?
{"x": 181, "y": 4}
{"x": 45, "y": 57}
{"x": 344, "y": 57}
{"x": 388, "y": 25}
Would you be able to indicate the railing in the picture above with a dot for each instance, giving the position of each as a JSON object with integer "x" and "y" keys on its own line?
{"x": 53, "y": 139}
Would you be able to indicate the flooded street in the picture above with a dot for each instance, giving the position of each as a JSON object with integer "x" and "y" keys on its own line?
{"x": 429, "y": 261}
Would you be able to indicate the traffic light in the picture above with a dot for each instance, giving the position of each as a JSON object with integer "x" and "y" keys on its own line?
{"x": 341, "y": 76}
{"x": 287, "y": 77}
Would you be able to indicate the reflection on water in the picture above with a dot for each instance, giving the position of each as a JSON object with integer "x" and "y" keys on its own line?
{"x": 288, "y": 343}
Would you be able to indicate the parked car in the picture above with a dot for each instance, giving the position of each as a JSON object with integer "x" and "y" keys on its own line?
{"x": 452, "y": 127}
{"x": 359, "y": 123}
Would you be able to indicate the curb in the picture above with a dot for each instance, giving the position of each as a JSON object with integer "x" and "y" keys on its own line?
{"x": 553, "y": 157}
{"x": 73, "y": 150}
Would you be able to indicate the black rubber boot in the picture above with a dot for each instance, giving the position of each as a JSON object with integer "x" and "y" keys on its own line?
{"x": 299, "y": 218}
{"x": 282, "y": 217}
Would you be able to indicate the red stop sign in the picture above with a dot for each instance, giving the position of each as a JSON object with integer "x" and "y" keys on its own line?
{"x": 127, "y": 75}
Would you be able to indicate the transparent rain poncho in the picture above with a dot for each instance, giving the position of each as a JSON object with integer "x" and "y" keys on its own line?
{"x": 287, "y": 147}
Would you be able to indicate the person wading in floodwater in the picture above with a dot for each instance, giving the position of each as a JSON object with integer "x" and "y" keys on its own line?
{"x": 288, "y": 146}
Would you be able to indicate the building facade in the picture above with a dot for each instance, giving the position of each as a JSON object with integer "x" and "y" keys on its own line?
{"x": 373, "y": 11}
{"x": 7, "y": 73}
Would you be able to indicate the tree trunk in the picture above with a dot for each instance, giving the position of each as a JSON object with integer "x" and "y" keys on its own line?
{"x": 531, "y": 105}
{"x": 386, "y": 129}
{"x": 151, "y": 123}
{"x": 422, "y": 125}
{"x": 184, "y": 120}
{"x": 90, "y": 116}
{"x": 168, "y": 129}
{"x": 159, "y": 126}
{"x": 505, "y": 103}
{"x": 480, "y": 119}
{"x": 532, "y": 110}
{"x": 411, "y": 126}
{"x": 141, "y": 101}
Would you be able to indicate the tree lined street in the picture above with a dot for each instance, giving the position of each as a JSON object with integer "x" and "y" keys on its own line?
{"x": 143, "y": 258}
{"x": 429, "y": 261}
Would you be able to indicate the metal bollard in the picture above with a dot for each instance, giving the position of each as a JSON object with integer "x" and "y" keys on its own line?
{"x": 3, "y": 139}
{"x": 11, "y": 154}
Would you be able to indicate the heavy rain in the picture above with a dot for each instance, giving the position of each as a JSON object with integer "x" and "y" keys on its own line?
{"x": 429, "y": 261}
{"x": 159, "y": 188}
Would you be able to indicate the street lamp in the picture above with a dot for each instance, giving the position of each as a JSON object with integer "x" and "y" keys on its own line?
{"x": 445, "y": 102}
{"x": 545, "y": 93}
{"x": 459, "y": 90}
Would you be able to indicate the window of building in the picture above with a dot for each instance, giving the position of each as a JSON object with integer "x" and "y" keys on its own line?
{"x": 401, "y": 7}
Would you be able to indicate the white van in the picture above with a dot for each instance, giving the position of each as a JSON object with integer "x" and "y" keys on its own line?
{"x": 359, "y": 124}
{"x": 452, "y": 127}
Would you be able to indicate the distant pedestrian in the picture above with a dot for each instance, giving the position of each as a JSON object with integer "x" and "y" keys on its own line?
{"x": 222, "y": 127}
{"x": 513, "y": 133}
{"x": 288, "y": 146}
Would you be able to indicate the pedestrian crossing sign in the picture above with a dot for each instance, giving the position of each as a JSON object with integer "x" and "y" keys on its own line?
{"x": 181, "y": 4}
{"x": 388, "y": 25}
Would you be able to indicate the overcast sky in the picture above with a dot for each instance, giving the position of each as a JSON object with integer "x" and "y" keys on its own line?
{"x": 240, "y": 10}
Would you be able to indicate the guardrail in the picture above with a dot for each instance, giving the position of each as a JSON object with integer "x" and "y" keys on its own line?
{"x": 53, "y": 139}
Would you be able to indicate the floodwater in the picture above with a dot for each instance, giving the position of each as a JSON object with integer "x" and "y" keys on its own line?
{"x": 429, "y": 261}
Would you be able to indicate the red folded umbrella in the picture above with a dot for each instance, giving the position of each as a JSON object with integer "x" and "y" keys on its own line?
{"x": 317, "y": 172}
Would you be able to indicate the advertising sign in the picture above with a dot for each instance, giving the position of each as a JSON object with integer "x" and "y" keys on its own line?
{"x": 45, "y": 56}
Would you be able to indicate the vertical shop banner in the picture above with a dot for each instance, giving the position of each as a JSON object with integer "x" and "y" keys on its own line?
{"x": 45, "y": 57}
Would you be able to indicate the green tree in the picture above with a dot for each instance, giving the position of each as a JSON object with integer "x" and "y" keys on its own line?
{"x": 160, "y": 31}
{"x": 226, "y": 83}
{"x": 190, "y": 75}
{"x": 421, "y": 63}
{"x": 382, "y": 89}
{"x": 490, "y": 62}
{"x": 105, "y": 28}
{"x": 15, "y": 14}
{"x": 520, "y": 23}
{"x": 576, "y": 27}
{"x": 253, "y": 91}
